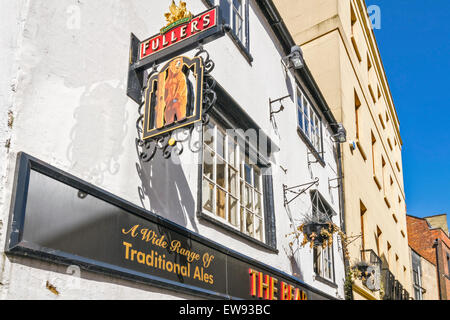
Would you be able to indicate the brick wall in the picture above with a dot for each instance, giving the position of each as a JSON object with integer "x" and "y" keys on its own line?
{"x": 420, "y": 238}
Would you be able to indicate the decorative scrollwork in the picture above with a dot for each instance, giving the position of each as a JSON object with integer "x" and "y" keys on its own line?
{"x": 208, "y": 64}
{"x": 172, "y": 143}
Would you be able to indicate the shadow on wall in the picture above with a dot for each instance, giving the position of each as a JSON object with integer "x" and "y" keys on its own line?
{"x": 100, "y": 128}
{"x": 296, "y": 271}
{"x": 164, "y": 184}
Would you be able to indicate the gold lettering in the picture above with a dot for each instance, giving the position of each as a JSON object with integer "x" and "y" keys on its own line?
{"x": 133, "y": 231}
{"x": 141, "y": 257}
{"x": 207, "y": 260}
{"x": 127, "y": 246}
{"x": 133, "y": 253}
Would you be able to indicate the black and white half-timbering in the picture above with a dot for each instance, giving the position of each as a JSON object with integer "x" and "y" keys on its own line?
{"x": 191, "y": 163}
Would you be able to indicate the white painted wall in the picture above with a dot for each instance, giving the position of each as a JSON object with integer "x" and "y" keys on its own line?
{"x": 68, "y": 60}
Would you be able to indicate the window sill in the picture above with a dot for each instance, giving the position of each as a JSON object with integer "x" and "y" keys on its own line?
{"x": 326, "y": 281}
{"x": 361, "y": 150}
{"x": 311, "y": 147}
{"x": 387, "y": 202}
{"x": 377, "y": 182}
{"x": 206, "y": 217}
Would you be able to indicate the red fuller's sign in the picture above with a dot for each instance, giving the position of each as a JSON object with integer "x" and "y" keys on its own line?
{"x": 177, "y": 32}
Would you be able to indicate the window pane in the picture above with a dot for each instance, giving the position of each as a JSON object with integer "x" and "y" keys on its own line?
{"x": 258, "y": 229}
{"x": 221, "y": 197}
{"x": 237, "y": 5}
{"x": 221, "y": 143}
{"x": 237, "y": 26}
{"x": 232, "y": 153}
{"x": 232, "y": 182}
{"x": 306, "y": 121}
{"x": 329, "y": 263}
{"x": 208, "y": 196}
{"x": 248, "y": 171}
{"x": 257, "y": 177}
{"x": 208, "y": 164}
{"x": 220, "y": 178}
{"x": 317, "y": 261}
{"x": 248, "y": 197}
{"x": 242, "y": 192}
{"x": 249, "y": 223}
{"x": 258, "y": 200}
{"x": 208, "y": 136}
{"x": 233, "y": 211}
{"x": 300, "y": 118}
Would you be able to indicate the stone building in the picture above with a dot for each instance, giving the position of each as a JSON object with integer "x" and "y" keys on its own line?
{"x": 429, "y": 238}
{"x": 339, "y": 45}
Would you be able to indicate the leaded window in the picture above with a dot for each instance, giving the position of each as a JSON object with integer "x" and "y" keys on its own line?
{"x": 323, "y": 257}
{"x": 309, "y": 122}
{"x": 232, "y": 189}
{"x": 233, "y": 13}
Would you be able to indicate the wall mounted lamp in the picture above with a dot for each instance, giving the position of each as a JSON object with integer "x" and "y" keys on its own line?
{"x": 294, "y": 59}
{"x": 341, "y": 135}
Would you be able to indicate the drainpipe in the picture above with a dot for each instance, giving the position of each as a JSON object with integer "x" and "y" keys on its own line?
{"x": 437, "y": 247}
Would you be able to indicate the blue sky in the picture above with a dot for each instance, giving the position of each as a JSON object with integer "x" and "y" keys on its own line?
{"x": 414, "y": 42}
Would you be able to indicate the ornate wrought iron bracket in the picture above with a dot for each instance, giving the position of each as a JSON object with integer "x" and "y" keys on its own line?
{"x": 272, "y": 112}
{"x": 302, "y": 188}
{"x": 171, "y": 143}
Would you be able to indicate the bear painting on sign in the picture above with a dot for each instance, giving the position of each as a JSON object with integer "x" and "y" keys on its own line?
{"x": 173, "y": 97}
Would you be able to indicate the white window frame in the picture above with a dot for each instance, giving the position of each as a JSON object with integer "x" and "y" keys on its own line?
{"x": 326, "y": 255}
{"x": 241, "y": 14}
{"x": 242, "y": 186}
{"x": 309, "y": 122}
{"x": 418, "y": 286}
{"x": 325, "y": 261}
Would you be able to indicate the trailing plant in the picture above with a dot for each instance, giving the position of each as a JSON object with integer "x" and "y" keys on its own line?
{"x": 348, "y": 285}
{"x": 360, "y": 270}
{"x": 318, "y": 231}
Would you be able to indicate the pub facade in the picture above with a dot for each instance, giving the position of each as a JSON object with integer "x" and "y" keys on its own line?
{"x": 166, "y": 150}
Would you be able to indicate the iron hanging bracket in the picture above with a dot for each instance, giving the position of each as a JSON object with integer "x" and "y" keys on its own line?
{"x": 302, "y": 189}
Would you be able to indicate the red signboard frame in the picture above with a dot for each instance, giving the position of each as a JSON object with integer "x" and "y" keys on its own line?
{"x": 180, "y": 33}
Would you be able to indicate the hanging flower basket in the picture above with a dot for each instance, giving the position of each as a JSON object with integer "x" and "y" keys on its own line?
{"x": 317, "y": 233}
{"x": 361, "y": 270}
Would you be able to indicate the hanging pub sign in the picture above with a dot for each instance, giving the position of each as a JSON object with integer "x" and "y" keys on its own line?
{"x": 183, "y": 32}
{"x": 173, "y": 97}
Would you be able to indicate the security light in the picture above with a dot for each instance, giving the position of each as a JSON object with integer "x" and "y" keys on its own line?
{"x": 341, "y": 135}
{"x": 295, "y": 58}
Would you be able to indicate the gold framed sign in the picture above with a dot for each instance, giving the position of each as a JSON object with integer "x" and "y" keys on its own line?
{"x": 173, "y": 98}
